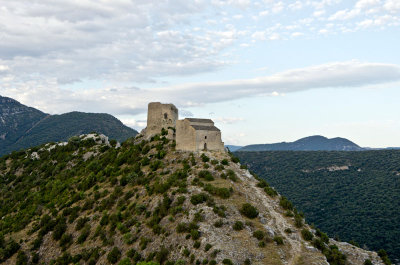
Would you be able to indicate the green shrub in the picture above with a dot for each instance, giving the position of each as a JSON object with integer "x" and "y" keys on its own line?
{"x": 219, "y": 223}
{"x": 207, "y": 247}
{"x": 334, "y": 256}
{"x": 324, "y": 237}
{"x": 114, "y": 255}
{"x": 84, "y": 234}
{"x": 143, "y": 242}
{"x": 270, "y": 191}
{"x": 205, "y": 174}
{"x": 238, "y": 225}
{"x": 288, "y": 230}
{"x": 227, "y": 262}
{"x": 59, "y": 229}
{"x": 196, "y": 244}
{"x": 204, "y": 158}
{"x": 382, "y": 253}
{"x": 368, "y": 262}
{"x": 225, "y": 162}
{"x": 307, "y": 235}
{"x": 258, "y": 234}
{"x": 198, "y": 198}
{"x": 22, "y": 258}
{"x": 298, "y": 220}
{"x": 186, "y": 252}
{"x": 125, "y": 261}
{"x": 223, "y": 193}
{"x": 285, "y": 203}
{"x": 231, "y": 175}
{"x": 195, "y": 234}
{"x": 249, "y": 211}
{"x": 278, "y": 240}
{"x": 65, "y": 240}
{"x": 162, "y": 255}
{"x": 81, "y": 223}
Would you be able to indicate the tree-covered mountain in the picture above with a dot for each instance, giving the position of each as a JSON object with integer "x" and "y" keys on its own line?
{"x": 22, "y": 127}
{"x": 352, "y": 195}
{"x": 311, "y": 143}
{"x": 90, "y": 202}
{"x": 15, "y": 120}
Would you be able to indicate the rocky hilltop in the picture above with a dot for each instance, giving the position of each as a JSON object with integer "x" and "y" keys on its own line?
{"x": 23, "y": 127}
{"x": 87, "y": 201}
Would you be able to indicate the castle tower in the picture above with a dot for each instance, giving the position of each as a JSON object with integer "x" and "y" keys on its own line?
{"x": 160, "y": 116}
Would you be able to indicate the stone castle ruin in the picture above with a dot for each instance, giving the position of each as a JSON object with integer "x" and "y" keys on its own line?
{"x": 190, "y": 134}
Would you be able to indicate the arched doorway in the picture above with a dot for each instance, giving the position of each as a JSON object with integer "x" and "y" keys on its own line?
{"x": 205, "y": 146}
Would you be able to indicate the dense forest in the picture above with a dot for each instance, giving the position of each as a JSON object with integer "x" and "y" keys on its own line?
{"x": 351, "y": 195}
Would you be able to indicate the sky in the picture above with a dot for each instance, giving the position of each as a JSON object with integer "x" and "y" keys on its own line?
{"x": 265, "y": 71}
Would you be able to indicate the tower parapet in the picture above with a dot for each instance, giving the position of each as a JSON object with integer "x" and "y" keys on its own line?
{"x": 160, "y": 116}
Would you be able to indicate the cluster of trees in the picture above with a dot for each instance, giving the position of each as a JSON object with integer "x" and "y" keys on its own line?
{"x": 358, "y": 204}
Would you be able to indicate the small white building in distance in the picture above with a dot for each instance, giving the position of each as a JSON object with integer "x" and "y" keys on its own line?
{"x": 190, "y": 134}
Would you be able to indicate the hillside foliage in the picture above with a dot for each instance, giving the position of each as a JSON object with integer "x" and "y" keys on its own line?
{"x": 354, "y": 196}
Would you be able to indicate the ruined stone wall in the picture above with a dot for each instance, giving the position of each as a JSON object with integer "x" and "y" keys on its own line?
{"x": 212, "y": 139}
{"x": 160, "y": 116}
{"x": 185, "y": 136}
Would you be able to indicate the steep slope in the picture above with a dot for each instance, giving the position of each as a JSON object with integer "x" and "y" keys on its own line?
{"x": 311, "y": 143}
{"x": 15, "y": 120}
{"x": 352, "y": 195}
{"x": 22, "y": 127}
{"x": 88, "y": 202}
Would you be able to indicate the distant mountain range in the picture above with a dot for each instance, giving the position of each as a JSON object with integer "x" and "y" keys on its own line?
{"x": 311, "y": 143}
{"x": 22, "y": 126}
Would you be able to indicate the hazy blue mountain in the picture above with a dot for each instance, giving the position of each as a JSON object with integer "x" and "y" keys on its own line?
{"x": 22, "y": 127}
{"x": 233, "y": 148}
{"x": 311, "y": 143}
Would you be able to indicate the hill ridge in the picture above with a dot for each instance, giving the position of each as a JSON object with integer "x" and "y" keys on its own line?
{"x": 309, "y": 143}
{"x": 22, "y": 126}
{"x": 90, "y": 201}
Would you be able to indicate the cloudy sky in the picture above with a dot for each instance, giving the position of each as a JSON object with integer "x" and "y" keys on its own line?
{"x": 264, "y": 70}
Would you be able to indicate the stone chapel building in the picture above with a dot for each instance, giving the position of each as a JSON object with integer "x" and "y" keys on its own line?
{"x": 190, "y": 134}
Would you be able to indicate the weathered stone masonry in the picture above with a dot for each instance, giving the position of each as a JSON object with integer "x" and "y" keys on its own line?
{"x": 190, "y": 134}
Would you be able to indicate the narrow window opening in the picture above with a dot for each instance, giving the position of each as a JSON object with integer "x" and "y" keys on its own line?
{"x": 205, "y": 137}
{"x": 165, "y": 116}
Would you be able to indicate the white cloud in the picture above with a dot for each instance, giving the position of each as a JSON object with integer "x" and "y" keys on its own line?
{"x": 385, "y": 20}
{"x": 361, "y": 4}
{"x": 48, "y": 97}
{"x": 319, "y": 13}
{"x": 296, "y": 5}
{"x": 392, "y": 5}
{"x": 4, "y": 68}
{"x": 297, "y": 34}
{"x": 274, "y": 36}
{"x": 345, "y": 14}
{"x": 227, "y": 120}
{"x": 277, "y": 7}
